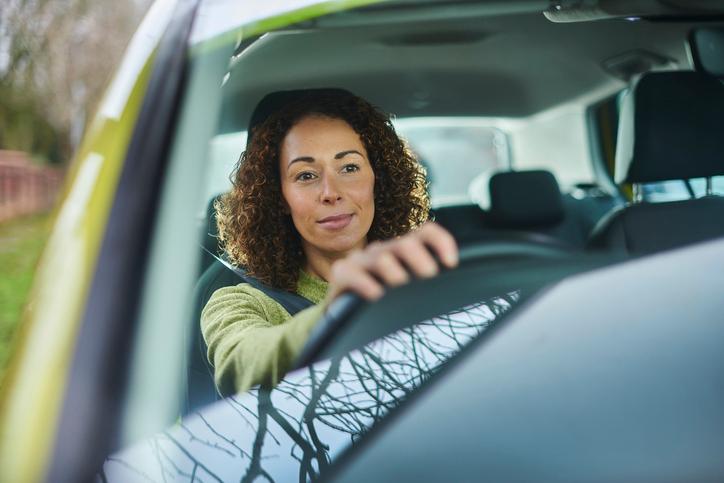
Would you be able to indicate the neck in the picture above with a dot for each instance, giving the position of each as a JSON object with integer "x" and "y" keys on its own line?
{"x": 319, "y": 262}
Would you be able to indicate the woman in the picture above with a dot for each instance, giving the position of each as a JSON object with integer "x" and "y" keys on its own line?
{"x": 326, "y": 199}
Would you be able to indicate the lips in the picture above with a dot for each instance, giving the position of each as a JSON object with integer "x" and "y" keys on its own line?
{"x": 335, "y": 222}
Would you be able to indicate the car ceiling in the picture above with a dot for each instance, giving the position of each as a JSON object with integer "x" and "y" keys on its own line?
{"x": 465, "y": 65}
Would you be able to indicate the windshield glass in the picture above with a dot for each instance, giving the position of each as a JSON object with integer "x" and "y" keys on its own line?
{"x": 297, "y": 429}
{"x": 468, "y": 108}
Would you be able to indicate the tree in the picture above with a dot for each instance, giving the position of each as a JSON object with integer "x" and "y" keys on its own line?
{"x": 56, "y": 58}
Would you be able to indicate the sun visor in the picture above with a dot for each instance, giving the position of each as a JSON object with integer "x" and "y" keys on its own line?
{"x": 670, "y": 128}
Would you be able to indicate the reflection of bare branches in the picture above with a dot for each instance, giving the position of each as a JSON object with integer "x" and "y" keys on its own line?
{"x": 157, "y": 455}
{"x": 197, "y": 464}
{"x": 224, "y": 438}
{"x": 208, "y": 443}
{"x": 320, "y": 455}
{"x": 235, "y": 403}
{"x": 310, "y": 416}
{"x": 133, "y": 469}
{"x": 255, "y": 468}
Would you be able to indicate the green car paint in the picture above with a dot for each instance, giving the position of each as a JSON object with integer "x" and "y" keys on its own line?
{"x": 32, "y": 394}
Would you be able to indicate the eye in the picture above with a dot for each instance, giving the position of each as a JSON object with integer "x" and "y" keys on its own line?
{"x": 350, "y": 168}
{"x": 305, "y": 176}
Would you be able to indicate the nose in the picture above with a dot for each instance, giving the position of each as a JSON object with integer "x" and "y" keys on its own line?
{"x": 330, "y": 191}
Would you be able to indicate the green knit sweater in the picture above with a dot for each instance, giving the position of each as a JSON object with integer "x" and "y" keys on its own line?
{"x": 251, "y": 338}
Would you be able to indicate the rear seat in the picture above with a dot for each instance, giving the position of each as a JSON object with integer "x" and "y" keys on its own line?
{"x": 528, "y": 206}
{"x": 466, "y": 222}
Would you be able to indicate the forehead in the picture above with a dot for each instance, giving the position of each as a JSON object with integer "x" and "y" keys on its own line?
{"x": 320, "y": 132}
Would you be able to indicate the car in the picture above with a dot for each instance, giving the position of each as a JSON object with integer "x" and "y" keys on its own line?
{"x": 572, "y": 150}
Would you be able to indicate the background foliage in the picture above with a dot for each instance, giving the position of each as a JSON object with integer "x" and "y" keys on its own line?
{"x": 21, "y": 242}
{"x": 56, "y": 58}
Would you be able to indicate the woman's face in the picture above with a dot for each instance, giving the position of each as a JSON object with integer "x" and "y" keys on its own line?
{"x": 327, "y": 185}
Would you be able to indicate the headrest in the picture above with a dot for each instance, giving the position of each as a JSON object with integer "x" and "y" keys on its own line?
{"x": 276, "y": 100}
{"x": 522, "y": 199}
{"x": 670, "y": 127}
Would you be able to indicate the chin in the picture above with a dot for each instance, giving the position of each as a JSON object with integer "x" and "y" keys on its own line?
{"x": 341, "y": 243}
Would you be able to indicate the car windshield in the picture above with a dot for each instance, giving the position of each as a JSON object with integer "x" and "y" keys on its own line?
{"x": 477, "y": 91}
{"x": 298, "y": 429}
{"x": 316, "y": 414}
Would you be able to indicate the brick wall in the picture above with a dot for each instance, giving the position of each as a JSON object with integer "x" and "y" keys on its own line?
{"x": 26, "y": 188}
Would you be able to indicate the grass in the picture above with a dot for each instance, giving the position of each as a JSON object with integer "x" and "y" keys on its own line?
{"x": 21, "y": 242}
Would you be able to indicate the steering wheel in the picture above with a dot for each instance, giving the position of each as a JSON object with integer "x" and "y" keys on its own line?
{"x": 346, "y": 305}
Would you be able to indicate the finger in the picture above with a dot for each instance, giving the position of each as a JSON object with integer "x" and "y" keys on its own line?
{"x": 365, "y": 285}
{"x": 350, "y": 275}
{"x": 441, "y": 242}
{"x": 388, "y": 268}
{"x": 415, "y": 255}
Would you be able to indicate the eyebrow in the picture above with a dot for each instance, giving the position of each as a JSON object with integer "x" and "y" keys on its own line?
{"x": 305, "y": 159}
{"x": 309, "y": 159}
{"x": 345, "y": 153}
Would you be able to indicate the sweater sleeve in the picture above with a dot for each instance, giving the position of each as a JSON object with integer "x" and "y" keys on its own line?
{"x": 251, "y": 339}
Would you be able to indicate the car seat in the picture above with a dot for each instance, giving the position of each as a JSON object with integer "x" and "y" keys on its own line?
{"x": 530, "y": 204}
{"x": 669, "y": 129}
{"x": 527, "y": 206}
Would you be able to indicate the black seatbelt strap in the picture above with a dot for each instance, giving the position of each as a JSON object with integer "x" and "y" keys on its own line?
{"x": 291, "y": 302}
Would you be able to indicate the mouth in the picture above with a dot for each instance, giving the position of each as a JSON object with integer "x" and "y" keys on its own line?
{"x": 335, "y": 222}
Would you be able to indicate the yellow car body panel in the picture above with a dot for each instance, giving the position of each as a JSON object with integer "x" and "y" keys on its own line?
{"x": 33, "y": 390}
{"x": 50, "y": 322}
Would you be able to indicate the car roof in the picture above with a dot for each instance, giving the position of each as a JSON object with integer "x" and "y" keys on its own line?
{"x": 474, "y": 60}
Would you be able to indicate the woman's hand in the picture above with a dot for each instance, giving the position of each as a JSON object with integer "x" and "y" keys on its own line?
{"x": 393, "y": 262}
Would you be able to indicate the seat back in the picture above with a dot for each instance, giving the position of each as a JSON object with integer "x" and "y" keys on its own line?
{"x": 669, "y": 130}
{"x": 530, "y": 204}
{"x": 201, "y": 389}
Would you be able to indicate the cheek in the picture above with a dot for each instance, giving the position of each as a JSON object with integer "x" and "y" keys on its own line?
{"x": 296, "y": 201}
{"x": 362, "y": 194}
{"x": 368, "y": 190}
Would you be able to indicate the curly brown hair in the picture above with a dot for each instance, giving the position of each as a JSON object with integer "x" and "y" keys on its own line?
{"x": 255, "y": 230}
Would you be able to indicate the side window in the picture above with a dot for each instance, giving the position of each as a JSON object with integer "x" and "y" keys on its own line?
{"x": 224, "y": 152}
{"x": 681, "y": 189}
{"x": 699, "y": 186}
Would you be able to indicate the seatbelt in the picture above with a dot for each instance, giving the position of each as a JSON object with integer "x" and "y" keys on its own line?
{"x": 291, "y": 302}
